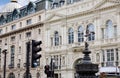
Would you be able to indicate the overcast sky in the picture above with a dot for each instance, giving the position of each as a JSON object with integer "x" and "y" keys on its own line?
{"x": 22, "y": 2}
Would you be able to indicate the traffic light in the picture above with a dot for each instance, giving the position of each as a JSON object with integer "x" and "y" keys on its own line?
{"x": 35, "y": 49}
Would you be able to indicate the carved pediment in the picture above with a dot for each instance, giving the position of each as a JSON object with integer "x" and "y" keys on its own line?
{"x": 54, "y": 17}
{"x": 106, "y": 3}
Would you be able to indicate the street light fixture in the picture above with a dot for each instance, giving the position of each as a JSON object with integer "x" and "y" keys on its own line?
{"x": 52, "y": 65}
{"x": 5, "y": 53}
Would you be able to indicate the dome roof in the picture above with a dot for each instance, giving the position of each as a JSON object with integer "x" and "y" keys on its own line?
{"x": 9, "y": 7}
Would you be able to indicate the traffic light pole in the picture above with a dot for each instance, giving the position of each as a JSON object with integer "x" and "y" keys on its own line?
{"x": 27, "y": 59}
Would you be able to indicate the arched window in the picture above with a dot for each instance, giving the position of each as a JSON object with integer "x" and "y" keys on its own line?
{"x": 11, "y": 75}
{"x": 31, "y": 7}
{"x": 56, "y": 38}
{"x": 15, "y": 14}
{"x": 80, "y": 34}
{"x": 91, "y": 31}
{"x": 70, "y": 36}
{"x": 2, "y": 20}
{"x": 97, "y": 57}
{"x": 109, "y": 29}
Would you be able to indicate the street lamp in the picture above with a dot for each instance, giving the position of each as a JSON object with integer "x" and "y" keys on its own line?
{"x": 49, "y": 69}
{"x": 52, "y": 66}
{"x": 4, "y": 52}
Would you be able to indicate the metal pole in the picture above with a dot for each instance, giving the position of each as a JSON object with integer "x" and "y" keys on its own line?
{"x": 27, "y": 60}
{"x": 4, "y": 74}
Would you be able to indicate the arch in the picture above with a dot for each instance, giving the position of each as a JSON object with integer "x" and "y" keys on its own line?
{"x": 80, "y": 34}
{"x": 91, "y": 31}
{"x": 31, "y": 7}
{"x": 79, "y": 60}
{"x": 2, "y": 19}
{"x": 11, "y": 75}
{"x": 70, "y": 35}
{"x": 109, "y": 29}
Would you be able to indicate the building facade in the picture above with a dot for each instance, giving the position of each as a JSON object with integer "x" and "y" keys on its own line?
{"x": 61, "y": 26}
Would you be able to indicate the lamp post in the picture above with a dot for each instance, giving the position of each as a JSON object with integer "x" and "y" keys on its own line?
{"x": 52, "y": 65}
{"x": 5, "y": 53}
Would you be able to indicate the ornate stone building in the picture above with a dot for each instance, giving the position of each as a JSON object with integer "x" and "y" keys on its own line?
{"x": 61, "y": 26}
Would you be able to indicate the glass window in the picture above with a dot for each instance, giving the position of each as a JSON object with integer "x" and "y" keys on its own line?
{"x": 110, "y": 57}
{"x": 12, "y": 55}
{"x": 13, "y": 27}
{"x": 1, "y": 31}
{"x": 39, "y": 18}
{"x": 13, "y": 38}
{"x": 29, "y": 21}
{"x": 70, "y": 36}
{"x": 20, "y": 24}
{"x": 39, "y": 31}
{"x": 109, "y": 29}
{"x": 28, "y": 34}
{"x": 31, "y": 8}
{"x": 80, "y": 34}
{"x": 90, "y": 29}
{"x": 56, "y": 38}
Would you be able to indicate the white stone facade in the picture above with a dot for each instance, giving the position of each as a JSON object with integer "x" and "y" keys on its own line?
{"x": 105, "y": 46}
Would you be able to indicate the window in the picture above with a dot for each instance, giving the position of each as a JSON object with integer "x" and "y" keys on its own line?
{"x": 39, "y": 18}
{"x": 28, "y": 34}
{"x": 70, "y": 36}
{"x": 12, "y": 55}
{"x": 20, "y": 24}
{"x": 31, "y": 7}
{"x": 13, "y": 38}
{"x": 1, "y": 31}
{"x": 109, "y": 29}
{"x": 15, "y": 14}
{"x": 39, "y": 31}
{"x": 13, "y": 27}
{"x": 80, "y": 34}
{"x": 110, "y": 57}
{"x": 19, "y": 36}
{"x": 56, "y": 38}
{"x": 19, "y": 49}
{"x": 90, "y": 29}
{"x": 29, "y": 21}
{"x": 97, "y": 57}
